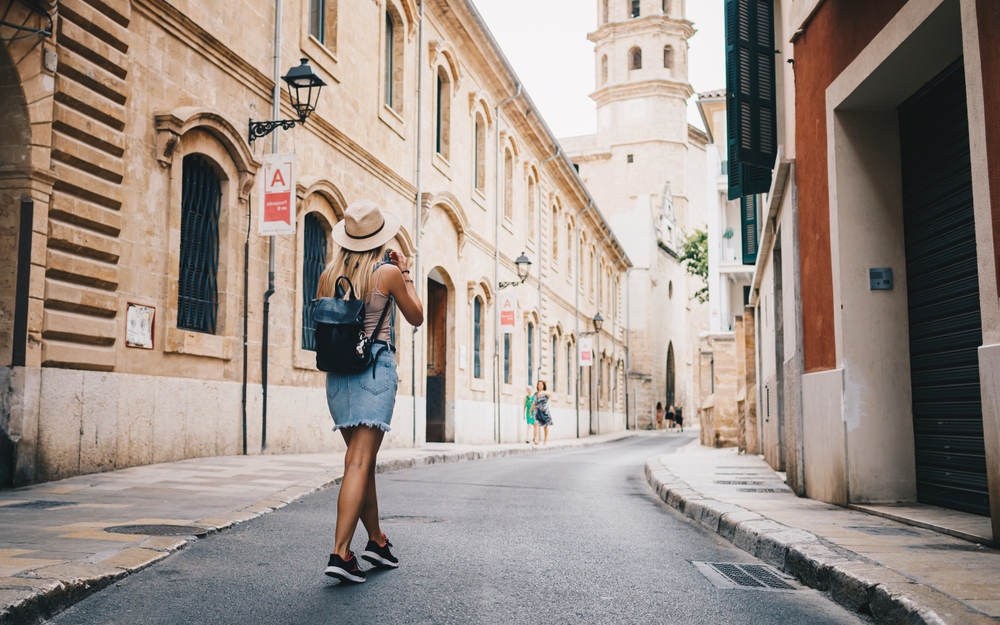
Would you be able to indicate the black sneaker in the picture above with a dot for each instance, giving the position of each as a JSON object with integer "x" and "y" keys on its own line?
{"x": 345, "y": 570}
{"x": 380, "y": 556}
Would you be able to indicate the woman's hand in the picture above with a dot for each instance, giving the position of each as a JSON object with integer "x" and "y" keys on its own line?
{"x": 399, "y": 260}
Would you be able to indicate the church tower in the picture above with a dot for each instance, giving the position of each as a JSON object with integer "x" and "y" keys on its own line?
{"x": 641, "y": 51}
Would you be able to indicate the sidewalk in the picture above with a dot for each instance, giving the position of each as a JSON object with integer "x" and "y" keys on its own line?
{"x": 54, "y": 550}
{"x": 893, "y": 572}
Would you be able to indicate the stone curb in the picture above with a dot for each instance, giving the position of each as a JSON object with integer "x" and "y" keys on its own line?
{"x": 41, "y": 593}
{"x": 855, "y": 582}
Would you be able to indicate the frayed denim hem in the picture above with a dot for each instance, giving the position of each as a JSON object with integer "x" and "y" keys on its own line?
{"x": 378, "y": 425}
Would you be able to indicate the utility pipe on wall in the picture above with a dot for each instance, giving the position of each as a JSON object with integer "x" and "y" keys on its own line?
{"x": 275, "y": 115}
{"x": 417, "y": 221}
{"x": 576, "y": 309}
{"x": 496, "y": 266}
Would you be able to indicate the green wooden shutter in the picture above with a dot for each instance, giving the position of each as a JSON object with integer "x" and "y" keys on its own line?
{"x": 749, "y": 215}
{"x": 750, "y": 90}
{"x": 748, "y": 180}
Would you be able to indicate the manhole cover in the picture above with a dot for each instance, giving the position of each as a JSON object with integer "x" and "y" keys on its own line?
{"x": 880, "y": 530}
{"x": 745, "y": 576}
{"x": 159, "y": 530}
{"x": 400, "y": 518}
{"x": 40, "y": 505}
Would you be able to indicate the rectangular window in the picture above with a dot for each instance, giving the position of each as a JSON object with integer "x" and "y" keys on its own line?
{"x": 569, "y": 368}
{"x": 197, "y": 284}
{"x": 317, "y": 20}
{"x": 506, "y": 359}
{"x": 531, "y": 355}
{"x": 477, "y": 338}
{"x": 555, "y": 356}
{"x": 389, "y": 57}
{"x": 438, "y": 135}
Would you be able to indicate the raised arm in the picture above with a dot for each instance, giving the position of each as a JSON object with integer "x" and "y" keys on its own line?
{"x": 399, "y": 284}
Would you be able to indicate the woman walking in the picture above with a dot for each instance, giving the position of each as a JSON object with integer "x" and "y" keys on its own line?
{"x": 361, "y": 404}
{"x": 541, "y": 408}
{"x": 529, "y": 414}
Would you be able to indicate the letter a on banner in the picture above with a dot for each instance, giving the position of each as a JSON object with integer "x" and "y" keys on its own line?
{"x": 586, "y": 352}
{"x": 277, "y": 195}
{"x": 508, "y": 312}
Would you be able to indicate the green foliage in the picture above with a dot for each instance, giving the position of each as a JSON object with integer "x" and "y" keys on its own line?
{"x": 695, "y": 259}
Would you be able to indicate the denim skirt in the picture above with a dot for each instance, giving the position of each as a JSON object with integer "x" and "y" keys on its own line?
{"x": 366, "y": 398}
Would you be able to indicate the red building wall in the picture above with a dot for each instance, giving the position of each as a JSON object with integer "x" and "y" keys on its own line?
{"x": 837, "y": 33}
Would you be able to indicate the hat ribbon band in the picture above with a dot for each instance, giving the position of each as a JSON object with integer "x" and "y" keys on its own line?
{"x": 367, "y": 236}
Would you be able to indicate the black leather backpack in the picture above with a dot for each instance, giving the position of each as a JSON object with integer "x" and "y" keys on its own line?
{"x": 341, "y": 343}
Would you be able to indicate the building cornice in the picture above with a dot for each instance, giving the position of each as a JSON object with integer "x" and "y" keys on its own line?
{"x": 641, "y": 26}
{"x": 642, "y": 89}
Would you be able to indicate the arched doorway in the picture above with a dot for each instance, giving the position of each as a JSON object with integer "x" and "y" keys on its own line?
{"x": 671, "y": 375}
{"x": 16, "y": 209}
{"x": 437, "y": 359}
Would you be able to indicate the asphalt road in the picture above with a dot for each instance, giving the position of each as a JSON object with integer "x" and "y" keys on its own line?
{"x": 561, "y": 537}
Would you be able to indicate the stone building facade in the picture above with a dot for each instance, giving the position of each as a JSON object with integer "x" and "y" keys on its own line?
{"x": 646, "y": 167}
{"x": 113, "y": 114}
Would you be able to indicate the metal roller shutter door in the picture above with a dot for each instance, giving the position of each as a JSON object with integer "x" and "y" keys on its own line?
{"x": 943, "y": 293}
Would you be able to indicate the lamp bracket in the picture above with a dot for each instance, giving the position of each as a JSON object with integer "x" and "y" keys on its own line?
{"x": 261, "y": 129}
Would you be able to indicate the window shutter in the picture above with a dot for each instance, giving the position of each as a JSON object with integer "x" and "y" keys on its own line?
{"x": 747, "y": 180}
{"x": 313, "y": 264}
{"x": 749, "y": 215}
{"x": 197, "y": 282}
{"x": 750, "y": 90}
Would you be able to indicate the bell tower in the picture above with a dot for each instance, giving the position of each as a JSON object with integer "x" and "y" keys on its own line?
{"x": 641, "y": 51}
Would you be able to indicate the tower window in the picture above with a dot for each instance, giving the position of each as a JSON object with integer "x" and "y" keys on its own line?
{"x": 668, "y": 57}
{"x": 629, "y": 158}
{"x": 604, "y": 70}
{"x": 635, "y": 8}
{"x": 604, "y": 12}
{"x": 635, "y": 58}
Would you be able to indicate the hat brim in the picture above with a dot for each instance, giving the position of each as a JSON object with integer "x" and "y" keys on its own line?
{"x": 389, "y": 229}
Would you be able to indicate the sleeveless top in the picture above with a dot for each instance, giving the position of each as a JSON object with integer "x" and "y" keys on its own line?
{"x": 373, "y": 311}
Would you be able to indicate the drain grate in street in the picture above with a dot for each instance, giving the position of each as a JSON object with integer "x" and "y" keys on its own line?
{"x": 402, "y": 518}
{"x": 740, "y": 482}
{"x": 158, "y": 530}
{"x": 763, "y": 490}
{"x": 744, "y": 576}
{"x": 40, "y": 505}
{"x": 879, "y": 530}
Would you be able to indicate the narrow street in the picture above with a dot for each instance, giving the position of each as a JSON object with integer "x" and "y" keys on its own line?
{"x": 571, "y": 536}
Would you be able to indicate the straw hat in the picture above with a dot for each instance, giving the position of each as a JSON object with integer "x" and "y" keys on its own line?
{"x": 365, "y": 227}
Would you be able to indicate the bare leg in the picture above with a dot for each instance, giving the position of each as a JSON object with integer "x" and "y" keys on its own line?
{"x": 546, "y": 435}
{"x": 535, "y": 440}
{"x": 359, "y": 462}
{"x": 369, "y": 509}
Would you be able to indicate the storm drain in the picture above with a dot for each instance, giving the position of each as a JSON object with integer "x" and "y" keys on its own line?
{"x": 739, "y": 482}
{"x": 744, "y": 576}
{"x": 159, "y": 530}
{"x": 40, "y": 505}
{"x": 763, "y": 490}
{"x": 401, "y": 518}
{"x": 879, "y": 530}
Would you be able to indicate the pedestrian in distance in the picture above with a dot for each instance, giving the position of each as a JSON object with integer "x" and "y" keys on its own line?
{"x": 671, "y": 415}
{"x": 529, "y": 415}
{"x": 679, "y": 417}
{"x": 541, "y": 409}
{"x": 361, "y": 404}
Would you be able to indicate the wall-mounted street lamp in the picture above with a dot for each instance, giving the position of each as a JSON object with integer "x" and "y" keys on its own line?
{"x": 523, "y": 264}
{"x": 304, "y": 86}
{"x": 598, "y": 324}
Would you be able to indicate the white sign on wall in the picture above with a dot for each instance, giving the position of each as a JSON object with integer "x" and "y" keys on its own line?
{"x": 277, "y": 195}
{"x": 586, "y": 352}
{"x": 508, "y": 312}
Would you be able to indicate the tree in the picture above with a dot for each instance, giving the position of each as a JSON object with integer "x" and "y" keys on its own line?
{"x": 695, "y": 259}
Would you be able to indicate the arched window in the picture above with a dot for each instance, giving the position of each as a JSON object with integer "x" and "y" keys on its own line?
{"x": 393, "y": 61}
{"x": 197, "y": 285}
{"x": 480, "y": 155}
{"x": 477, "y": 337}
{"x": 555, "y": 237}
{"x": 634, "y": 8}
{"x": 531, "y": 354}
{"x": 555, "y": 358}
{"x": 604, "y": 12}
{"x": 506, "y": 358}
{"x": 635, "y": 58}
{"x": 508, "y": 184}
{"x": 323, "y": 22}
{"x": 532, "y": 215}
{"x": 604, "y": 70}
{"x": 580, "y": 266}
{"x": 313, "y": 262}
{"x": 569, "y": 250}
{"x": 668, "y": 57}
{"x": 591, "y": 275}
{"x": 569, "y": 368}
{"x": 671, "y": 373}
{"x": 442, "y": 117}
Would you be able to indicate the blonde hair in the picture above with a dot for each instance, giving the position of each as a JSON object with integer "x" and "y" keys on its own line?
{"x": 356, "y": 266}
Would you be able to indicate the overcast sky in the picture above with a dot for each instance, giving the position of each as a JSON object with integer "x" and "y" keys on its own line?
{"x": 555, "y": 61}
